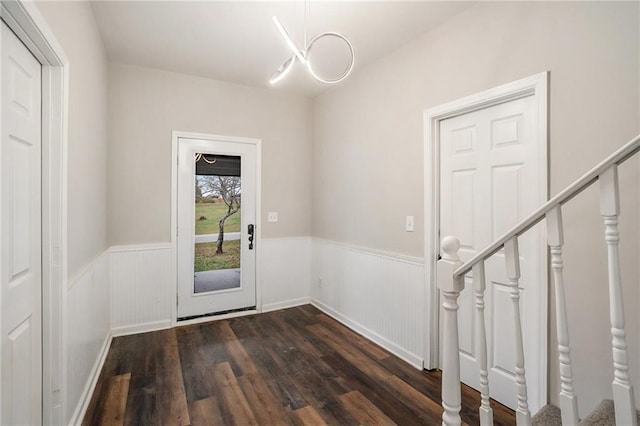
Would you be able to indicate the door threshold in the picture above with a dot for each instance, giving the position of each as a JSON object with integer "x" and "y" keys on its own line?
{"x": 214, "y": 316}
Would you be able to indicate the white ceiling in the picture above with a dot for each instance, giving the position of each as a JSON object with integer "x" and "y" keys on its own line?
{"x": 236, "y": 41}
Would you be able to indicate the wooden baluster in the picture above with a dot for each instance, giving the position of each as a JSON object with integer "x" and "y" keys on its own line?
{"x": 485, "y": 411}
{"x": 512, "y": 256}
{"x": 555, "y": 239}
{"x": 610, "y": 210}
{"x": 450, "y": 289}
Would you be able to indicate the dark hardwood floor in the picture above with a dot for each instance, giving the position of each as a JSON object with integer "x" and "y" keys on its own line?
{"x": 294, "y": 366}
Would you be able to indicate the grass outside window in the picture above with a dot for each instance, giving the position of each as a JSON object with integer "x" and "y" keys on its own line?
{"x": 213, "y": 212}
{"x": 206, "y": 259}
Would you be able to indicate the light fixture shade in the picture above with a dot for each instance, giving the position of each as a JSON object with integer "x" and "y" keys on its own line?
{"x": 282, "y": 70}
{"x": 347, "y": 70}
{"x": 289, "y": 41}
{"x": 304, "y": 56}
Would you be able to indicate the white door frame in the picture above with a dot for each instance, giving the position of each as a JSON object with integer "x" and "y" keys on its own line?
{"x": 176, "y": 135}
{"x": 30, "y": 27}
{"x": 535, "y": 86}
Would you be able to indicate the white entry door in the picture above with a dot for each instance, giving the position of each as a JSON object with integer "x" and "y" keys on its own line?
{"x": 490, "y": 179}
{"x": 20, "y": 233}
{"x": 216, "y": 182}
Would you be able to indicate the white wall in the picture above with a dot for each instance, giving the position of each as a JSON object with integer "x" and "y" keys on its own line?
{"x": 87, "y": 314}
{"x": 368, "y": 144}
{"x": 146, "y": 105}
{"x": 74, "y": 26}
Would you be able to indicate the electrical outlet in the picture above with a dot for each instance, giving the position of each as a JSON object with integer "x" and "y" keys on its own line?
{"x": 272, "y": 217}
{"x": 410, "y": 224}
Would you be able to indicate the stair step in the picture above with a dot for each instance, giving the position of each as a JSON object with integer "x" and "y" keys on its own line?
{"x": 549, "y": 415}
{"x": 602, "y": 415}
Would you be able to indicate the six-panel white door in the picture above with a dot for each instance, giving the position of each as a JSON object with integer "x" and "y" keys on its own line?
{"x": 489, "y": 181}
{"x": 20, "y": 233}
{"x": 190, "y": 302}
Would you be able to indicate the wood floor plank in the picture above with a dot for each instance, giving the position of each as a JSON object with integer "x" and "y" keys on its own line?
{"x": 273, "y": 372}
{"x": 264, "y": 405}
{"x": 350, "y": 353}
{"x": 172, "y": 406}
{"x": 363, "y": 410}
{"x": 427, "y": 384}
{"x": 293, "y": 366}
{"x": 404, "y": 392}
{"x": 116, "y": 400}
{"x": 309, "y": 416}
{"x": 205, "y": 412}
{"x": 374, "y": 391}
{"x": 193, "y": 363}
{"x": 141, "y": 410}
{"x": 308, "y": 310}
{"x": 236, "y": 350}
{"x": 314, "y": 379}
{"x": 354, "y": 338}
{"x": 411, "y": 396}
{"x": 232, "y": 396}
{"x": 302, "y": 342}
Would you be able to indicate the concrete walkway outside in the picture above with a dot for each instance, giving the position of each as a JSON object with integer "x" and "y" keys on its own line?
{"x": 222, "y": 279}
{"x": 209, "y": 238}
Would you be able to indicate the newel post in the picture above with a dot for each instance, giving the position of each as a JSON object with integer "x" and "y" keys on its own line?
{"x": 450, "y": 289}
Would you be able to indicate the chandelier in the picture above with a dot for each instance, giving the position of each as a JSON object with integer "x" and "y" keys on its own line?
{"x": 304, "y": 56}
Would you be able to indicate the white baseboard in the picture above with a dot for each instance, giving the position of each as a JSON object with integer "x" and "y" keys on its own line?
{"x": 409, "y": 357}
{"x": 92, "y": 381}
{"x": 285, "y": 304}
{"x": 141, "y": 328}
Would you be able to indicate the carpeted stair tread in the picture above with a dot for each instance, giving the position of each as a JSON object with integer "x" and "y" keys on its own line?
{"x": 549, "y": 415}
{"x": 602, "y": 415}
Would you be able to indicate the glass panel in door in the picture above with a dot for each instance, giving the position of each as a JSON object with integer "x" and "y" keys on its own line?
{"x": 218, "y": 217}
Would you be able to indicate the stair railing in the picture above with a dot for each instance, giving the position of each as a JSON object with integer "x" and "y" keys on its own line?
{"x": 450, "y": 278}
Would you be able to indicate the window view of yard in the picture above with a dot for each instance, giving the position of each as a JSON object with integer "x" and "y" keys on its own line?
{"x": 206, "y": 259}
{"x": 208, "y": 215}
{"x": 217, "y": 199}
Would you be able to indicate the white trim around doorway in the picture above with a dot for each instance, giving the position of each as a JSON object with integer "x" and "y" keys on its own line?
{"x": 536, "y": 86}
{"x": 27, "y": 23}
{"x": 176, "y": 135}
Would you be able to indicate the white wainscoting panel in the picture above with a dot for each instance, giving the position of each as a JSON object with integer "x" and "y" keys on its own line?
{"x": 379, "y": 295}
{"x": 141, "y": 288}
{"x": 88, "y": 333}
{"x": 286, "y": 272}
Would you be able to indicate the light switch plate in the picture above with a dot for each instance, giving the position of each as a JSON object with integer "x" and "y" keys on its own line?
{"x": 410, "y": 224}
{"x": 272, "y": 216}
